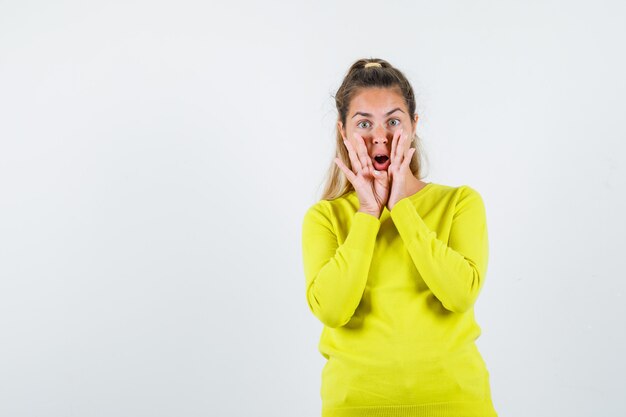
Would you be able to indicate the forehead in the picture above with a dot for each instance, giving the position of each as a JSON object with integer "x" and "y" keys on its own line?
{"x": 376, "y": 100}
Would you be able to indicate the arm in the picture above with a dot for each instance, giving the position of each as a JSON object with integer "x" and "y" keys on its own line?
{"x": 455, "y": 273}
{"x": 336, "y": 274}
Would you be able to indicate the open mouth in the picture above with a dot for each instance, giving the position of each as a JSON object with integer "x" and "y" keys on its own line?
{"x": 381, "y": 162}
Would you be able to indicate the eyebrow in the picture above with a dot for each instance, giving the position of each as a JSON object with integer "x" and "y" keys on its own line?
{"x": 369, "y": 115}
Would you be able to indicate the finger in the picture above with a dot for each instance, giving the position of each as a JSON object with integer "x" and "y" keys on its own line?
{"x": 349, "y": 174}
{"x": 400, "y": 151}
{"x": 382, "y": 177}
{"x": 370, "y": 165}
{"x": 364, "y": 158}
{"x": 407, "y": 159}
{"x": 354, "y": 160}
{"x": 408, "y": 141}
{"x": 394, "y": 144}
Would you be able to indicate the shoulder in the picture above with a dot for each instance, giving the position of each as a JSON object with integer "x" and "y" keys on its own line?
{"x": 459, "y": 191}
{"x": 334, "y": 208}
{"x": 332, "y": 212}
{"x": 320, "y": 208}
{"x": 453, "y": 189}
{"x": 468, "y": 199}
{"x": 460, "y": 197}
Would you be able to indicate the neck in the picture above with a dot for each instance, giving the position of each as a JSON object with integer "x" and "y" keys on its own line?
{"x": 415, "y": 185}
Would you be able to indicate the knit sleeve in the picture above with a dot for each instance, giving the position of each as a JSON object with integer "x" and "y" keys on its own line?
{"x": 455, "y": 273}
{"x": 336, "y": 274}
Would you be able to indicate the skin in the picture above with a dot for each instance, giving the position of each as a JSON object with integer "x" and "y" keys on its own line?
{"x": 367, "y": 136}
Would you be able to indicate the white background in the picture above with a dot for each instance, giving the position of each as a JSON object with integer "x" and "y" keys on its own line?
{"x": 156, "y": 159}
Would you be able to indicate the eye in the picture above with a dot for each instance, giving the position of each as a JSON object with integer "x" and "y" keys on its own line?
{"x": 359, "y": 124}
{"x": 396, "y": 121}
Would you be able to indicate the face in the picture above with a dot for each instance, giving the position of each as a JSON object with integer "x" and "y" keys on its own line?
{"x": 375, "y": 114}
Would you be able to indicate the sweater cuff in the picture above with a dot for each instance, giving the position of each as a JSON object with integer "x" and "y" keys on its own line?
{"x": 363, "y": 231}
{"x": 409, "y": 223}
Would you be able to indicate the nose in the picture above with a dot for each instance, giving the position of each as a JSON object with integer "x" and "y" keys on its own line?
{"x": 380, "y": 140}
{"x": 380, "y": 136}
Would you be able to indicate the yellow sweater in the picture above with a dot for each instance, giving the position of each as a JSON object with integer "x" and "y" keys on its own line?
{"x": 396, "y": 297}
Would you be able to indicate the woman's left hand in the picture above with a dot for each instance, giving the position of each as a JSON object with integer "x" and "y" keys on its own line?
{"x": 399, "y": 171}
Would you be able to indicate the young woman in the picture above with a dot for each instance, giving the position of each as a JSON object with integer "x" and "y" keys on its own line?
{"x": 394, "y": 265}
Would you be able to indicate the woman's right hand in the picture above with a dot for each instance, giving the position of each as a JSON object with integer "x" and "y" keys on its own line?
{"x": 371, "y": 186}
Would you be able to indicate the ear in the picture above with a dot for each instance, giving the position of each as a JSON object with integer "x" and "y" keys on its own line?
{"x": 340, "y": 128}
{"x": 415, "y": 117}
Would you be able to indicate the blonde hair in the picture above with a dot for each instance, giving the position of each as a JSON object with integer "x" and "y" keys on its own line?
{"x": 362, "y": 74}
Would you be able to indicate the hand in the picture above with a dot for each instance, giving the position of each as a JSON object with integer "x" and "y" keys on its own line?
{"x": 371, "y": 186}
{"x": 399, "y": 171}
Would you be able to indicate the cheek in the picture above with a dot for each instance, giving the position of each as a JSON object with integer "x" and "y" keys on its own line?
{"x": 393, "y": 129}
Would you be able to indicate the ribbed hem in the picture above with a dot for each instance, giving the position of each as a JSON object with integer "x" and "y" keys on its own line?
{"x": 363, "y": 231}
{"x": 408, "y": 222}
{"x": 447, "y": 409}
